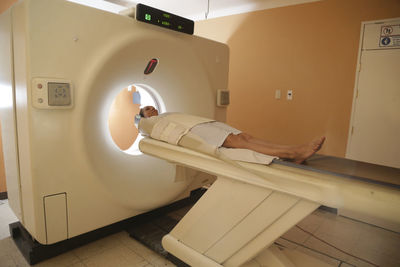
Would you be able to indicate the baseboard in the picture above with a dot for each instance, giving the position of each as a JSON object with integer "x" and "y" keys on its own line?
{"x": 3, "y": 195}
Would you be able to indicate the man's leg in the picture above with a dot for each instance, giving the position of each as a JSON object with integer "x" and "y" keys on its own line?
{"x": 254, "y": 140}
{"x": 296, "y": 153}
{"x": 257, "y": 141}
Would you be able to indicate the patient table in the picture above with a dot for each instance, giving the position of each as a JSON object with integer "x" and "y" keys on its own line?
{"x": 249, "y": 206}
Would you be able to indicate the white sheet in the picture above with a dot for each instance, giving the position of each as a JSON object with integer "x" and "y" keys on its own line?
{"x": 246, "y": 155}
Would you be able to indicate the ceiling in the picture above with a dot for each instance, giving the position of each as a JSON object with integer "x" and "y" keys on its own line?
{"x": 194, "y": 9}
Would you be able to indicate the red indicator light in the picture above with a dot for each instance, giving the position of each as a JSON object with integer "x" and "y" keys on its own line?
{"x": 151, "y": 66}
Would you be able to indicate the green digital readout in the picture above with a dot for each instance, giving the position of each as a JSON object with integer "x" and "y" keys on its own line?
{"x": 164, "y": 19}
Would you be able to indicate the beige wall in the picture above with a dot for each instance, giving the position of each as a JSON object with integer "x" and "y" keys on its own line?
{"x": 311, "y": 49}
{"x": 4, "y": 5}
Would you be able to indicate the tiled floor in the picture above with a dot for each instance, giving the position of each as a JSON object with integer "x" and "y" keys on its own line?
{"x": 114, "y": 250}
{"x": 374, "y": 244}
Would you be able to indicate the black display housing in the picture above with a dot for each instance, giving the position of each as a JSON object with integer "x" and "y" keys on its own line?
{"x": 164, "y": 19}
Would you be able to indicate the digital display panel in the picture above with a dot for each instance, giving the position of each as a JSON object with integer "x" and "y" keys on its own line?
{"x": 164, "y": 19}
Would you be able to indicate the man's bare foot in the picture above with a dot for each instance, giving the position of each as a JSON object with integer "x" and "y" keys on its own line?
{"x": 307, "y": 150}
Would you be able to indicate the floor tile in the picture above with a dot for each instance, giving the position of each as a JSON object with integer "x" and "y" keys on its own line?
{"x": 367, "y": 242}
{"x": 377, "y": 239}
{"x": 6, "y": 246}
{"x": 346, "y": 265}
{"x": 63, "y": 260}
{"x": 149, "y": 255}
{"x": 360, "y": 263}
{"x": 118, "y": 256}
{"x": 7, "y": 261}
{"x": 324, "y": 248}
{"x": 344, "y": 230}
{"x": 7, "y": 216}
{"x": 96, "y": 247}
{"x": 374, "y": 256}
{"x": 160, "y": 262}
{"x": 338, "y": 240}
{"x": 10, "y": 250}
{"x": 296, "y": 235}
{"x": 388, "y": 262}
{"x": 315, "y": 254}
{"x": 312, "y": 222}
{"x": 78, "y": 264}
{"x": 137, "y": 247}
{"x": 286, "y": 243}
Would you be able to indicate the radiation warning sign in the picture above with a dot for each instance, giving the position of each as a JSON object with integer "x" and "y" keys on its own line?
{"x": 390, "y": 36}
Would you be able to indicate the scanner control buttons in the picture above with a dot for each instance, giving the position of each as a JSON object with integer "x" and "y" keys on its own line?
{"x": 48, "y": 93}
{"x": 59, "y": 94}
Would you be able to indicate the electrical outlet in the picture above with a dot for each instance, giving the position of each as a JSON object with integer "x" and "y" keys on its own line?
{"x": 289, "y": 95}
{"x": 278, "y": 94}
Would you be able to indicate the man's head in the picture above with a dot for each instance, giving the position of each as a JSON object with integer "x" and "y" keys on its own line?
{"x": 148, "y": 111}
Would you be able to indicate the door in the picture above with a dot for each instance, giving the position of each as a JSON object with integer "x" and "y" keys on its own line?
{"x": 375, "y": 125}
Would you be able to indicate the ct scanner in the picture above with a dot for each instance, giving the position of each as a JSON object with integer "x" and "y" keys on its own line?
{"x": 66, "y": 177}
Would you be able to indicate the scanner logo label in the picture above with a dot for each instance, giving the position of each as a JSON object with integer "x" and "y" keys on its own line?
{"x": 151, "y": 66}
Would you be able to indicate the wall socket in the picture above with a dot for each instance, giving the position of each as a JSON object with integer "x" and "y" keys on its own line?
{"x": 278, "y": 94}
{"x": 289, "y": 95}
